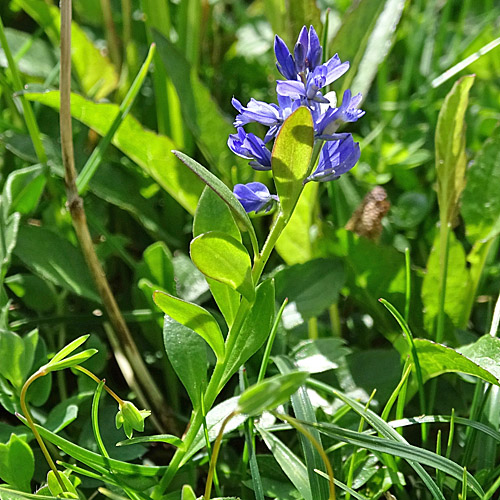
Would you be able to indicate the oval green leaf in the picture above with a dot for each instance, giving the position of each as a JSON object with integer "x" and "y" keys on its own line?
{"x": 194, "y": 317}
{"x": 213, "y": 214}
{"x": 291, "y": 156}
{"x": 223, "y": 258}
{"x": 187, "y": 353}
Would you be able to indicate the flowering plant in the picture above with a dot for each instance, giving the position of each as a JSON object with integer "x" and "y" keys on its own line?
{"x": 305, "y": 77}
{"x": 307, "y": 147}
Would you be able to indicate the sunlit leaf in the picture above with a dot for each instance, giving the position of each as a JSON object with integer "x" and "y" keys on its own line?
{"x": 223, "y": 258}
{"x": 291, "y": 156}
{"x": 194, "y": 317}
{"x": 450, "y": 148}
{"x": 146, "y": 148}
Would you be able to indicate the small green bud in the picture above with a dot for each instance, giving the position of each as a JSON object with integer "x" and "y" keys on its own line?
{"x": 131, "y": 418}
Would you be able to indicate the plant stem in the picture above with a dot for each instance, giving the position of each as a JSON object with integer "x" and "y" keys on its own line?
{"x": 31, "y": 423}
{"x": 215, "y": 454}
{"x": 216, "y": 381}
{"x": 299, "y": 427}
{"x": 75, "y": 204}
{"x": 96, "y": 379}
{"x": 111, "y": 35}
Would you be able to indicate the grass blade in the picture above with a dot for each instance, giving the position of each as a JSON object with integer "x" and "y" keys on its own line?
{"x": 97, "y": 155}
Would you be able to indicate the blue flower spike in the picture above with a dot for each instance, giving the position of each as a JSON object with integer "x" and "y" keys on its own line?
{"x": 254, "y": 197}
{"x": 337, "y": 157}
{"x": 305, "y": 79}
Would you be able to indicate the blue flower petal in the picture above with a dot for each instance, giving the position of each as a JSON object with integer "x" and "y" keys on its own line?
{"x": 251, "y": 147}
{"x": 315, "y": 51}
{"x": 285, "y": 62}
{"x": 254, "y": 196}
{"x": 336, "y": 158}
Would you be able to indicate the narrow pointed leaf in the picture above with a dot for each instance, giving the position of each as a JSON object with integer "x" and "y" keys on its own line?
{"x": 214, "y": 183}
{"x": 290, "y": 463}
{"x": 67, "y": 350}
{"x": 94, "y": 460}
{"x": 76, "y": 359}
{"x": 96, "y": 73}
{"x": 450, "y": 148}
{"x": 399, "y": 449}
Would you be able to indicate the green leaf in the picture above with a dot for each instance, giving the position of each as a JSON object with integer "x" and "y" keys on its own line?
{"x": 23, "y": 188}
{"x": 98, "y": 77}
{"x": 9, "y": 228}
{"x": 94, "y": 460}
{"x": 17, "y": 463}
{"x": 55, "y": 487}
{"x": 187, "y": 353}
{"x": 436, "y": 359}
{"x": 254, "y": 332}
{"x": 7, "y": 494}
{"x": 68, "y": 349}
{"x": 213, "y": 214}
{"x": 311, "y": 288}
{"x": 400, "y": 449}
{"x": 383, "y": 428}
{"x": 304, "y": 411}
{"x": 193, "y": 317}
{"x": 481, "y": 199}
{"x": 270, "y": 393}
{"x": 17, "y": 356}
{"x": 35, "y": 292}
{"x": 160, "y": 438}
{"x": 187, "y": 493}
{"x": 55, "y": 259}
{"x": 320, "y": 355}
{"x": 358, "y": 32}
{"x": 38, "y": 60}
{"x": 63, "y": 414}
{"x": 457, "y": 283}
{"x": 157, "y": 267}
{"x": 380, "y": 36}
{"x": 76, "y": 359}
{"x": 485, "y": 353}
{"x": 368, "y": 282}
{"x": 294, "y": 244}
{"x": 223, "y": 192}
{"x": 209, "y": 127}
{"x": 290, "y": 463}
{"x": 225, "y": 259}
{"x": 450, "y": 148}
{"x": 291, "y": 156}
{"x": 144, "y": 147}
